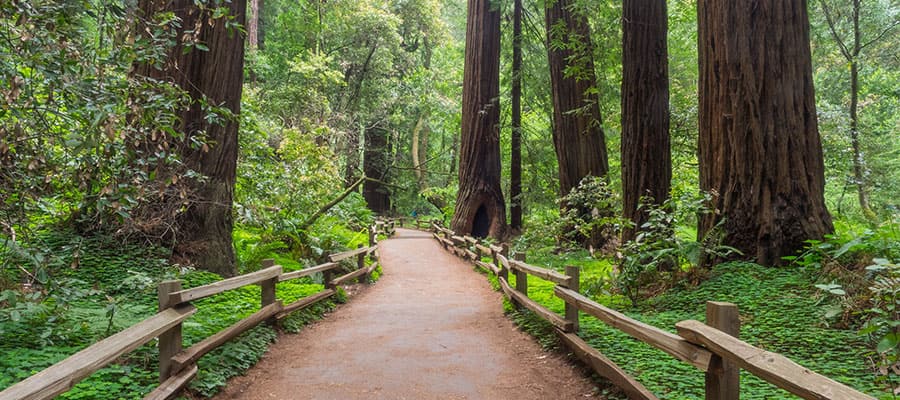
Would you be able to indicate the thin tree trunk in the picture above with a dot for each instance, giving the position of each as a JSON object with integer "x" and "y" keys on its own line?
{"x": 351, "y": 156}
{"x": 760, "y": 151}
{"x": 851, "y": 54}
{"x": 515, "y": 158}
{"x": 253, "y": 24}
{"x": 205, "y": 227}
{"x": 480, "y": 209}
{"x": 420, "y": 151}
{"x": 646, "y": 156}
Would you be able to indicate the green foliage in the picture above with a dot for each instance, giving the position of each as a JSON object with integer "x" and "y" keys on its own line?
{"x": 862, "y": 289}
{"x": 590, "y": 212}
{"x": 779, "y": 312}
{"x": 231, "y": 359}
{"x": 666, "y": 245}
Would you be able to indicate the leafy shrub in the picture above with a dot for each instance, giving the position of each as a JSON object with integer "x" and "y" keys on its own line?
{"x": 861, "y": 287}
{"x": 665, "y": 245}
{"x": 590, "y": 216}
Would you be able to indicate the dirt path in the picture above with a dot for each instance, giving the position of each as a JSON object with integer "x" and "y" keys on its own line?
{"x": 431, "y": 328}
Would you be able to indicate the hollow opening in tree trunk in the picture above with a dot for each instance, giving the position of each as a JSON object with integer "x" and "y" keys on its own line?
{"x": 481, "y": 226}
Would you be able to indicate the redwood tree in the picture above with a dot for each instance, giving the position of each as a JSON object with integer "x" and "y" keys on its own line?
{"x": 646, "y": 158}
{"x": 376, "y": 162}
{"x": 480, "y": 209}
{"x": 207, "y": 62}
{"x": 515, "y": 156}
{"x": 760, "y": 151}
{"x": 577, "y": 132}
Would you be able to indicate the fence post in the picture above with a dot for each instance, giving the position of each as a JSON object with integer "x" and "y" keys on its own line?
{"x": 267, "y": 289}
{"x": 574, "y": 274}
{"x": 371, "y": 235}
{"x": 521, "y": 276}
{"x": 501, "y": 269}
{"x": 360, "y": 264}
{"x": 170, "y": 341}
{"x": 723, "y": 379}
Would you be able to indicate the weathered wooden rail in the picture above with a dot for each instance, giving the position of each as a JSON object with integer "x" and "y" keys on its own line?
{"x": 177, "y": 365}
{"x": 713, "y": 347}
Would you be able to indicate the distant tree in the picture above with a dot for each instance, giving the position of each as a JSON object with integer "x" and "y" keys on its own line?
{"x": 376, "y": 163}
{"x": 515, "y": 157}
{"x": 851, "y": 37}
{"x": 253, "y": 19}
{"x": 577, "y": 133}
{"x": 480, "y": 209}
{"x": 207, "y": 62}
{"x": 760, "y": 151}
{"x": 646, "y": 156}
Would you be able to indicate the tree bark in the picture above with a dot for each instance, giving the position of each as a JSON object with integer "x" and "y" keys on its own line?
{"x": 420, "y": 150}
{"x": 760, "y": 151}
{"x": 253, "y": 24}
{"x": 577, "y": 132}
{"x": 515, "y": 157}
{"x": 204, "y": 229}
{"x": 646, "y": 156}
{"x": 376, "y": 160}
{"x": 480, "y": 209}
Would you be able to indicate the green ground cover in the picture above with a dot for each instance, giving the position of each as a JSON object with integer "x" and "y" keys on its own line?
{"x": 780, "y": 312}
{"x": 108, "y": 286}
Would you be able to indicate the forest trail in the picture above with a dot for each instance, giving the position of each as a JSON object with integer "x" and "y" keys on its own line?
{"x": 430, "y": 328}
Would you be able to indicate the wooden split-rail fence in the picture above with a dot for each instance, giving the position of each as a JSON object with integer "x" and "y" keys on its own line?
{"x": 712, "y": 347}
{"x": 177, "y": 365}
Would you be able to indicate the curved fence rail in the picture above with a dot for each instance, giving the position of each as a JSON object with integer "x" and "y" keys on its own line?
{"x": 177, "y": 365}
{"x": 713, "y": 347}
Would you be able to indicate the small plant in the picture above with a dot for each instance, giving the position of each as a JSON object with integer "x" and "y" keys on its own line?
{"x": 664, "y": 245}
{"x": 589, "y": 215}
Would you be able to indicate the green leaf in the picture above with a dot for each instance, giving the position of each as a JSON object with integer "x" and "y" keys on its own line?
{"x": 888, "y": 342}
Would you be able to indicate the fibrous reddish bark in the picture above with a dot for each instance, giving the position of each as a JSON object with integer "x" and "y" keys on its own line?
{"x": 577, "y": 132}
{"x": 480, "y": 209}
{"x": 760, "y": 151}
{"x": 204, "y": 228}
{"x": 646, "y": 157}
{"x": 515, "y": 156}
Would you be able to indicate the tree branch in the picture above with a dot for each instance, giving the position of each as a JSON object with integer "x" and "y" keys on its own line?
{"x": 834, "y": 33}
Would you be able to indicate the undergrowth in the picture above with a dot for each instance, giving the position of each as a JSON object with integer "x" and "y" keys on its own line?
{"x": 779, "y": 312}
{"x": 86, "y": 288}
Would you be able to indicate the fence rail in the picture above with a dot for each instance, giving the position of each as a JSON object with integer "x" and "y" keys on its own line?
{"x": 178, "y": 366}
{"x": 713, "y": 347}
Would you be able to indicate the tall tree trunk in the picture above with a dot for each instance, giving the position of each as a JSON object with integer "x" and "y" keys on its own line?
{"x": 253, "y": 24}
{"x": 420, "y": 150}
{"x": 760, "y": 151}
{"x": 376, "y": 160}
{"x": 480, "y": 209}
{"x": 646, "y": 157}
{"x": 205, "y": 227}
{"x": 577, "y": 131}
{"x": 351, "y": 157}
{"x": 515, "y": 157}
